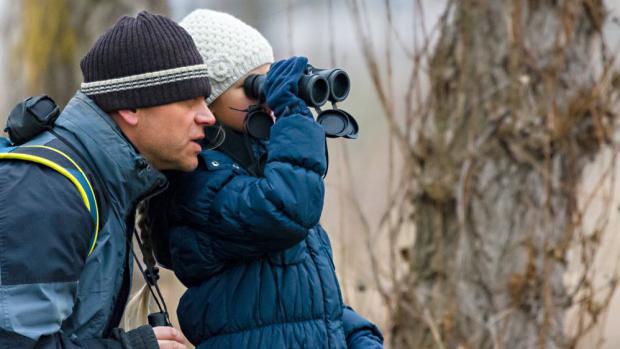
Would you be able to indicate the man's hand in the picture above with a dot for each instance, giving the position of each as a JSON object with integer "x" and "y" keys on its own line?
{"x": 170, "y": 338}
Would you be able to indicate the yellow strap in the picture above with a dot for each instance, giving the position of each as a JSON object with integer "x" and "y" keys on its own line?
{"x": 87, "y": 182}
{"x": 64, "y": 172}
{"x": 46, "y": 162}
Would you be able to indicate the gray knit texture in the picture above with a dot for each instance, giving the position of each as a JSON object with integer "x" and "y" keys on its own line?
{"x": 229, "y": 47}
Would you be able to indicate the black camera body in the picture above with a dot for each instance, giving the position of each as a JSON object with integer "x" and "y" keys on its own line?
{"x": 31, "y": 117}
{"x": 158, "y": 319}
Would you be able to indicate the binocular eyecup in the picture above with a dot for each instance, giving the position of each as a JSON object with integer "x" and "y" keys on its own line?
{"x": 315, "y": 87}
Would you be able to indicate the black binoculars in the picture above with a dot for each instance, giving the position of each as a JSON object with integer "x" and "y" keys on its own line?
{"x": 315, "y": 88}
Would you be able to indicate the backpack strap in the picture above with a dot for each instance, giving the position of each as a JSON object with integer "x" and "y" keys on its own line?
{"x": 63, "y": 164}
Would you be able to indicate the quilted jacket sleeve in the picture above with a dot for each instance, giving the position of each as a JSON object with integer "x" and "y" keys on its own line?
{"x": 360, "y": 333}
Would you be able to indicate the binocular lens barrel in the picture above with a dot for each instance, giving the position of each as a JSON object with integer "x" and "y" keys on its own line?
{"x": 339, "y": 84}
{"x": 315, "y": 87}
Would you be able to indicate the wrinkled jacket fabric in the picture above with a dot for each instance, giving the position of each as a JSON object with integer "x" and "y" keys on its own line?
{"x": 49, "y": 289}
{"x": 257, "y": 264}
{"x": 361, "y": 333}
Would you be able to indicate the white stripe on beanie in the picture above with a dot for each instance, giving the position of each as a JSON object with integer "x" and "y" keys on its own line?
{"x": 145, "y": 80}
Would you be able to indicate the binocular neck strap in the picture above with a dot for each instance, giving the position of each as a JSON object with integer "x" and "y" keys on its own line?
{"x": 150, "y": 272}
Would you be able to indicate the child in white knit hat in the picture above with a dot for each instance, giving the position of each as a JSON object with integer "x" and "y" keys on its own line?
{"x": 243, "y": 230}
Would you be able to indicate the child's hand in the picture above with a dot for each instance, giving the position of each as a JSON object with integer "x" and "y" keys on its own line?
{"x": 281, "y": 86}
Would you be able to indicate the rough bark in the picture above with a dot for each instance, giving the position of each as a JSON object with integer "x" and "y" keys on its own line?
{"x": 519, "y": 105}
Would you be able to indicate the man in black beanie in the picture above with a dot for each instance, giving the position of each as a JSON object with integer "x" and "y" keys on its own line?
{"x": 65, "y": 276}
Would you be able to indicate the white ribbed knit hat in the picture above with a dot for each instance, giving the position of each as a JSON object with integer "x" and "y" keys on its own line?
{"x": 230, "y": 48}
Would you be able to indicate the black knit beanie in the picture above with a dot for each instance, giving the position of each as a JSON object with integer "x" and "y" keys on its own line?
{"x": 143, "y": 62}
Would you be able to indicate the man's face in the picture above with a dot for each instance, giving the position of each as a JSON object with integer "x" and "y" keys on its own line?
{"x": 169, "y": 135}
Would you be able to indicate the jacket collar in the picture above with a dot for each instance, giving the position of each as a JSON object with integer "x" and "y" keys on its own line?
{"x": 127, "y": 175}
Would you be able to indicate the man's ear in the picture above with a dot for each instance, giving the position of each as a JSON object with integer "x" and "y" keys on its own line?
{"x": 128, "y": 116}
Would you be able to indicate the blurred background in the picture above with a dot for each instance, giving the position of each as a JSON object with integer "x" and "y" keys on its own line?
{"x": 479, "y": 206}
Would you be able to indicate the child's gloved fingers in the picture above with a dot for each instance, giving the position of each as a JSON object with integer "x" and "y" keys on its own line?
{"x": 287, "y": 71}
{"x": 281, "y": 86}
{"x": 275, "y": 68}
{"x": 294, "y": 66}
{"x": 278, "y": 67}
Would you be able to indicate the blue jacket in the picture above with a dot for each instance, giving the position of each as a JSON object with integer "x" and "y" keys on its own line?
{"x": 257, "y": 264}
{"x": 51, "y": 291}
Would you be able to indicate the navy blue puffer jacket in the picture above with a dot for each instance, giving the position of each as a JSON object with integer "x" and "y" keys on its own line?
{"x": 257, "y": 264}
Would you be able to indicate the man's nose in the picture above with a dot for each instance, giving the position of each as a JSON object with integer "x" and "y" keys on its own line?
{"x": 205, "y": 117}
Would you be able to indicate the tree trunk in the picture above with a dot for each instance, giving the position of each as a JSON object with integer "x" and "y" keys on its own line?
{"x": 518, "y": 107}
